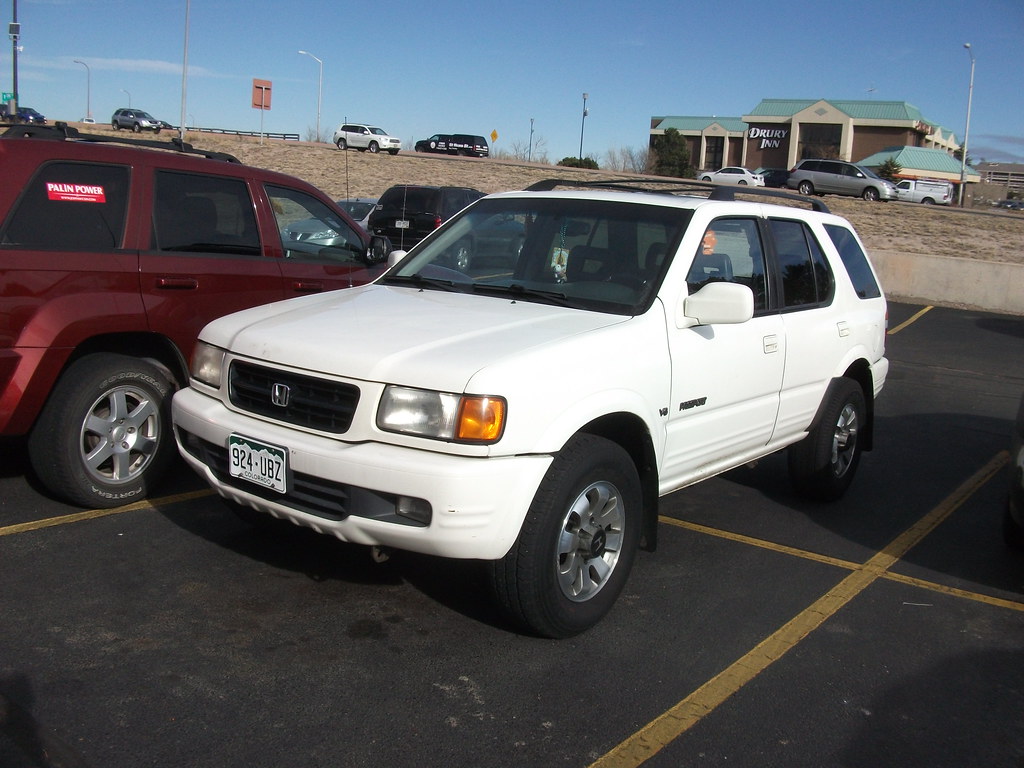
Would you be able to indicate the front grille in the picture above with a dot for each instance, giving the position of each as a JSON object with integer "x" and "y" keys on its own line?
{"x": 321, "y": 404}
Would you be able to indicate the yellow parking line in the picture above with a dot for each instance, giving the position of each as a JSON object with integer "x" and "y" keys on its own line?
{"x": 913, "y": 319}
{"x": 92, "y": 514}
{"x": 663, "y": 730}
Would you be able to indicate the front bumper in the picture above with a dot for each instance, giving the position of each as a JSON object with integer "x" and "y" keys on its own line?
{"x": 353, "y": 491}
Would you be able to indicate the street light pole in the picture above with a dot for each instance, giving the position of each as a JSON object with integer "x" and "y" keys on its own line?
{"x": 319, "y": 90}
{"x": 967, "y": 128}
{"x": 583, "y": 123}
{"x": 129, "y": 98}
{"x": 88, "y": 88}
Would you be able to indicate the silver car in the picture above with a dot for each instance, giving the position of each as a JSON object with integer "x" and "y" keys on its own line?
{"x": 820, "y": 177}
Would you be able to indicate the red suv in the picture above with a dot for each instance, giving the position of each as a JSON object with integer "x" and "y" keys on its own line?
{"x": 114, "y": 255}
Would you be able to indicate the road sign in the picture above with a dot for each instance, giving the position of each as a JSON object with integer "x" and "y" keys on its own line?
{"x": 6, "y": 96}
{"x": 494, "y": 136}
{"x": 260, "y": 94}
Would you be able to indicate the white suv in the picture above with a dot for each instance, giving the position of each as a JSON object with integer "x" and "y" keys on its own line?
{"x": 366, "y": 138}
{"x": 600, "y": 349}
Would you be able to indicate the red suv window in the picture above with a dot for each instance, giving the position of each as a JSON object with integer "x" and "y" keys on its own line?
{"x": 71, "y": 207}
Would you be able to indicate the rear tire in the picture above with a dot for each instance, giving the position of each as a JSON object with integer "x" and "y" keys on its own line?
{"x": 342, "y": 144}
{"x": 104, "y": 436}
{"x": 577, "y": 544}
{"x": 822, "y": 465}
{"x": 806, "y": 188}
{"x": 1013, "y": 533}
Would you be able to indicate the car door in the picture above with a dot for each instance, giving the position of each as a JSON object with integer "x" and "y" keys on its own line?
{"x": 726, "y": 378}
{"x": 204, "y": 257}
{"x": 817, "y": 339}
{"x": 321, "y": 250}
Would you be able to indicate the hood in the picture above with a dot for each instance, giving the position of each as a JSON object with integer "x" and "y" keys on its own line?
{"x": 424, "y": 338}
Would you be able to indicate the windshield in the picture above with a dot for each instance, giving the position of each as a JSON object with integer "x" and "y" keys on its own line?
{"x": 588, "y": 254}
{"x": 378, "y": 131}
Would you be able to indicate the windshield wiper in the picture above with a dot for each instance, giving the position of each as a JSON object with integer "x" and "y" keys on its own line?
{"x": 518, "y": 289}
{"x": 420, "y": 281}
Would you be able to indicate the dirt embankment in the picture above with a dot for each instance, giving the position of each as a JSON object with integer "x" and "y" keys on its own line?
{"x": 893, "y": 227}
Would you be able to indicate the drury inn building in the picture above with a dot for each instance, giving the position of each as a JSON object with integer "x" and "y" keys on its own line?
{"x": 779, "y": 133}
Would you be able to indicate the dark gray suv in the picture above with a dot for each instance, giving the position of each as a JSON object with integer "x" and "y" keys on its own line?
{"x": 135, "y": 120}
{"x": 819, "y": 177}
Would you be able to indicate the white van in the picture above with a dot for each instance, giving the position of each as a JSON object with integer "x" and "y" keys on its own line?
{"x": 927, "y": 191}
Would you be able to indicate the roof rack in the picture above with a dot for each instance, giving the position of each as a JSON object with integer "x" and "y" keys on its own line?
{"x": 675, "y": 187}
{"x": 61, "y": 131}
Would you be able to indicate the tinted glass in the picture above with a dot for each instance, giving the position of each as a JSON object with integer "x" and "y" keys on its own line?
{"x": 195, "y": 213}
{"x": 72, "y": 207}
{"x": 806, "y": 277}
{"x": 855, "y": 261}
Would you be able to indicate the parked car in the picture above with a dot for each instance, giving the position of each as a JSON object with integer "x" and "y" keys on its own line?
{"x": 115, "y": 255}
{"x": 135, "y": 120}
{"x": 774, "y": 177}
{"x": 734, "y": 175}
{"x": 819, "y": 177}
{"x": 25, "y": 115}
{"x": 1013, "y": 520}
{"x": 926, "y": 191}
{"x": 455, "y": 144}
{"x": 359, "y": 208}
{"x": 407, "y": 213}
{"x": 366, "y": 138}
{"x": 532, "y": 416}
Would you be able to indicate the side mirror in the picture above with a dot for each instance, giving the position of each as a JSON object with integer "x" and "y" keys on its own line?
{"x": 379, "y": 250}
{"x": 716, "y": 303}
{"x": 395, "y": 256}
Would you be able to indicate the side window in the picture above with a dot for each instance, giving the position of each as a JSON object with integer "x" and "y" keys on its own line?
{"x": 731, "y": 251}
{"x": 855, "y": 261}
{"x": 806, "y": 277}
{"x": 196, "y": 213}
{"x": 70, "y": 207}
{"x": 828, "y": 166}
{"x": 310, "y": 231}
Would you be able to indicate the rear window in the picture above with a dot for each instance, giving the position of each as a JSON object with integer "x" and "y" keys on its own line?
{"x": 70, "y": 207}
{"x": 410, "y": 199}
{"x": 855, "y": 261}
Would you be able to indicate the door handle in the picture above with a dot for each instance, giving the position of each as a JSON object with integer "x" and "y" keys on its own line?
{"x": 305, "y": 286}
{"x": 179, "y": 283}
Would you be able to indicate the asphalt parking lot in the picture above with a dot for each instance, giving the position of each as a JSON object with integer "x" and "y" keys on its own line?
{"x": 885, "y": 629}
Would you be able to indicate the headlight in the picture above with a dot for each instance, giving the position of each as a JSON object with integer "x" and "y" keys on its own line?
{"x": 207, "y": 364}
{"x": 442, "y": 415}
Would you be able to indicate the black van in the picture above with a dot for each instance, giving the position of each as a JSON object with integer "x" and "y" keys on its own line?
{"x": 455, "y": 144}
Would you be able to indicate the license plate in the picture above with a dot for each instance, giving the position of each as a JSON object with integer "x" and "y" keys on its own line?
{"x": 257, "y": 462}
{"x": 401, "y": 224}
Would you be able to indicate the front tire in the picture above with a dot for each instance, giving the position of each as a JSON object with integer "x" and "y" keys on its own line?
{"x": 822, "y": 465}
{"x": 374, "y": 147}
{"x": 870, "y": 194}
{"x": 104, "y": 436}
{"x": 577, "y": 544}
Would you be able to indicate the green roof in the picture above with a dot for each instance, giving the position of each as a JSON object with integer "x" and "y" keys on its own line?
{"x": 732, "y": 124}
{"x": 868, "y": 110}
{"x": 916, "y": 158}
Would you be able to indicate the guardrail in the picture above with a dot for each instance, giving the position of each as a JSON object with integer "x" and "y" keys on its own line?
{"x": 233, "y": 132}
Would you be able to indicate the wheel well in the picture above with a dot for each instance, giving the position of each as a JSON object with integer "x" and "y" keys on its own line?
{"x": 632, "y": 434}
{"x": 860, "y": 372}
{"x": 158, "y": 349}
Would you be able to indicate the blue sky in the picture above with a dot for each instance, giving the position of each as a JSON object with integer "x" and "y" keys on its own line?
{"x": 417, "y": 68}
